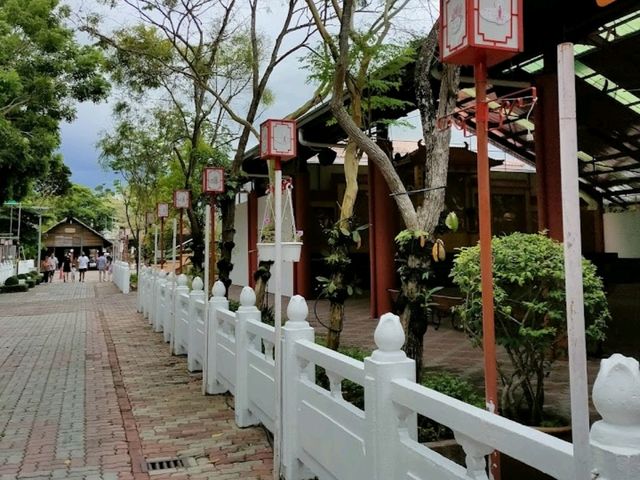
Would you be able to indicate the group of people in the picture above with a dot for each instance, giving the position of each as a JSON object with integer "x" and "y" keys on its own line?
{"x": 70, "y": 265}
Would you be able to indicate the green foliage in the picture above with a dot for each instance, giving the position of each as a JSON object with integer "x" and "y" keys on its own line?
{"x": 12, "y": 281}
{"x": 43, "y": 71}
{"x": 94, "y": 208}
{"x": 14, "y": 288}
{"x": 341, "y": 237}
{"x": 453, "y": 386}
{"x": 529, "y": 298}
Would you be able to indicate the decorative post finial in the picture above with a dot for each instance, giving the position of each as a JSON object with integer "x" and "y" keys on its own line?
{"x": 218, "y": 289}
{"x": 182, "y": 280}
{"x": 247, "y": 297}
{"x": 389, "y": 338}
{"x": 197, "y": 284}
{"x": 297, "y": 311}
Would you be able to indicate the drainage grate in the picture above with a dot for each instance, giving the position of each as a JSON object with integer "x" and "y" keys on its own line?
{"x": 164, "y": 464}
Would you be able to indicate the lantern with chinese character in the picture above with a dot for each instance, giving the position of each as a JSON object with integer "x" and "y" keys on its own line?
{"x": 278, "y": 139}
{"x": 472, "y": 31}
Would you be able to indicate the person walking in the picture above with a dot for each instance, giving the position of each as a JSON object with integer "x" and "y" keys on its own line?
{"x": 83, "y": 265}
{"x": 44, "y": 268}
{"x": 52, "y": 264}
{"x": 66, "y": 267}
{"x": 102, "y": 267}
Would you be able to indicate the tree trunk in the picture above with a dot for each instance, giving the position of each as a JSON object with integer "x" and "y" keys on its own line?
{"x": 197, "y": 243}
{"x": 228, "y": 211}
{"x": 336, "y": 316}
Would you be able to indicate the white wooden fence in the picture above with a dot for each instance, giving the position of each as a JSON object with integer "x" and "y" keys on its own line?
{"x": 325, "y": 436}
{"x": 121, "y": 275}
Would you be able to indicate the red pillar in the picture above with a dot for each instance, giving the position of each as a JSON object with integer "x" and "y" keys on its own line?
{"x": 302, "y": 269}
{"x": 549, "y": 189}
{"x": 382, "y": 217}
{"x": 252, "y": 227}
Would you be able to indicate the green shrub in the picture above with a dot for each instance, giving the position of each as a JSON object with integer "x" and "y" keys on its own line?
{"x": 530, "y": 323}
{"x": 11, "y": 281}
{"x": 23, "y": 276}
{"x": 453, "y": 386}
{"x": 14, "y": 288}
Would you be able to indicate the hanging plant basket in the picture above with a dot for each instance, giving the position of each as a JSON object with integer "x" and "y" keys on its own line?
{"x": 290, "y": 251}
{"x": 291, "y": 237}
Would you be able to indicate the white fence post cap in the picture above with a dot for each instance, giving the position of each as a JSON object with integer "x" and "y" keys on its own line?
{"x": 182, "y": 280}
{"x": 389, "y": 338}
{"x": 297, "y": 311}
{"x": 197, "y": 284}
{"x": 247, "y": 297}
{"x": 218, "y": 289}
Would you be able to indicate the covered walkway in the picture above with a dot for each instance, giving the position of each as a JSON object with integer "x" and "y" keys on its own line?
{"x": 87, "y": 391}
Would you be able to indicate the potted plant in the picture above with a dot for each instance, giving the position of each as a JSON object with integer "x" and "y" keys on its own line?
{"x": 291, "y": 237}
{"x": 530, "y": 323}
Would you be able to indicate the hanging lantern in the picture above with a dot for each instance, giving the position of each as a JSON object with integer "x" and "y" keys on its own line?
{"x": 473, "y": 30}
{"x": 291, "y": 237}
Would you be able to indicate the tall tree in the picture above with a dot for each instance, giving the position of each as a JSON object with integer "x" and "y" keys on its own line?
{"x": 373, "y": 65}
{"x": 421, "y": 220}
{"x": 175, "y": 52}
{"x": 43, "y": 71}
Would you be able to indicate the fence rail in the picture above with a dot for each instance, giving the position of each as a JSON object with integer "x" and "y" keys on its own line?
{"x": 327, "y": 437}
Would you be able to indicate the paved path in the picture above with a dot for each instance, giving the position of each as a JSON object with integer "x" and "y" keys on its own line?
{"x": 87, "y": 391}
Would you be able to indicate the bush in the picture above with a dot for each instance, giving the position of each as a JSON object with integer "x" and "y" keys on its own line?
{"x": 23, "y": 276}
{"x": 453, "y": 386}
{"x": 14, "y": 288}
{"x": 530, "y": 323}
{"x": 11, "y": 281}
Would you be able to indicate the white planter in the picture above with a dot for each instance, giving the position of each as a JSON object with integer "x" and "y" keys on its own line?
{"x": 290, "y": 251}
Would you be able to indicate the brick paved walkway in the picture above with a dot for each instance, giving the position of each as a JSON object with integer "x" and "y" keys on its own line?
{"x": 87, "y": 391}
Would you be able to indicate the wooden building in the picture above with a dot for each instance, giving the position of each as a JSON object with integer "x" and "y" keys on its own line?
{"x": 72, "y": 234}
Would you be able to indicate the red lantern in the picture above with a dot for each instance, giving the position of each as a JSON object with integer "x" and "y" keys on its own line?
{"x": 163, "y": 210}
{"x": 278, "y": 139}
{"x": 473, "y": 30}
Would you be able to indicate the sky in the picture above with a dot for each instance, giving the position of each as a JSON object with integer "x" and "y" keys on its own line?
{"x": 288, "y": 84}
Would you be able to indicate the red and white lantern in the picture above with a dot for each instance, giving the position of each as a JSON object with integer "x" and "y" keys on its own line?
{"x": 278, "y": 139}
{"x": 213, "y": 180}
{"x": 476, "y": 30}
{"x": 182, "y": 199}
{"x": 163, "y": 210}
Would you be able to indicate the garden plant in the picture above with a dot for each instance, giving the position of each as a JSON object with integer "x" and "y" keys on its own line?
{"x": 530, "y": 318}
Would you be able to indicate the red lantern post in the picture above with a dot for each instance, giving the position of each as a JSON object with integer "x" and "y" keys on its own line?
{"x": 181, "y": 201}
{"x": 278, "y": 142}
{"x": 483, "y": 33}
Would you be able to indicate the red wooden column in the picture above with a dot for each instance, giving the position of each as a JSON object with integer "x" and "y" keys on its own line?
{"x": 547, "y": 137}
{"x": 382, "y": 230}
{"x": 302, "y": 269}
{"x": 252, "y": 227}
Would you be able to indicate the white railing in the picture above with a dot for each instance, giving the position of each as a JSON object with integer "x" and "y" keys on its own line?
{"x": 121, "y": 275}
{"x": 161, "y": 303}
{"x": 197, "y": 318}
{"x": 327, "y": 437}
{"x": 167, "y": 314}
{"x": 7, "y": 269}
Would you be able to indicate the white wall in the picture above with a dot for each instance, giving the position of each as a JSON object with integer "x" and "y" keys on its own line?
{"x": 622, "y": 234}
{"x": 240, "y": 256}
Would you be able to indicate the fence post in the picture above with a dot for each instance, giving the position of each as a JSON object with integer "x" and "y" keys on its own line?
{"x": 168, "y": 306}
{"x": 145, "y": 297}
{"x": 126, "y": 278}
{"x": 210, "y": 372}
{"x": 197, "y": 293}
{"x": 615, "y": 440}
{"x": 296, "y": 328}
{"x": 247, "y": 311}
{"x": 142, "y": 272}
{"x": 152, "y": 296}
{"x": 179, "y": 290}
{"x": 384, "y": 420}
{"x": 160, "y": 301}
